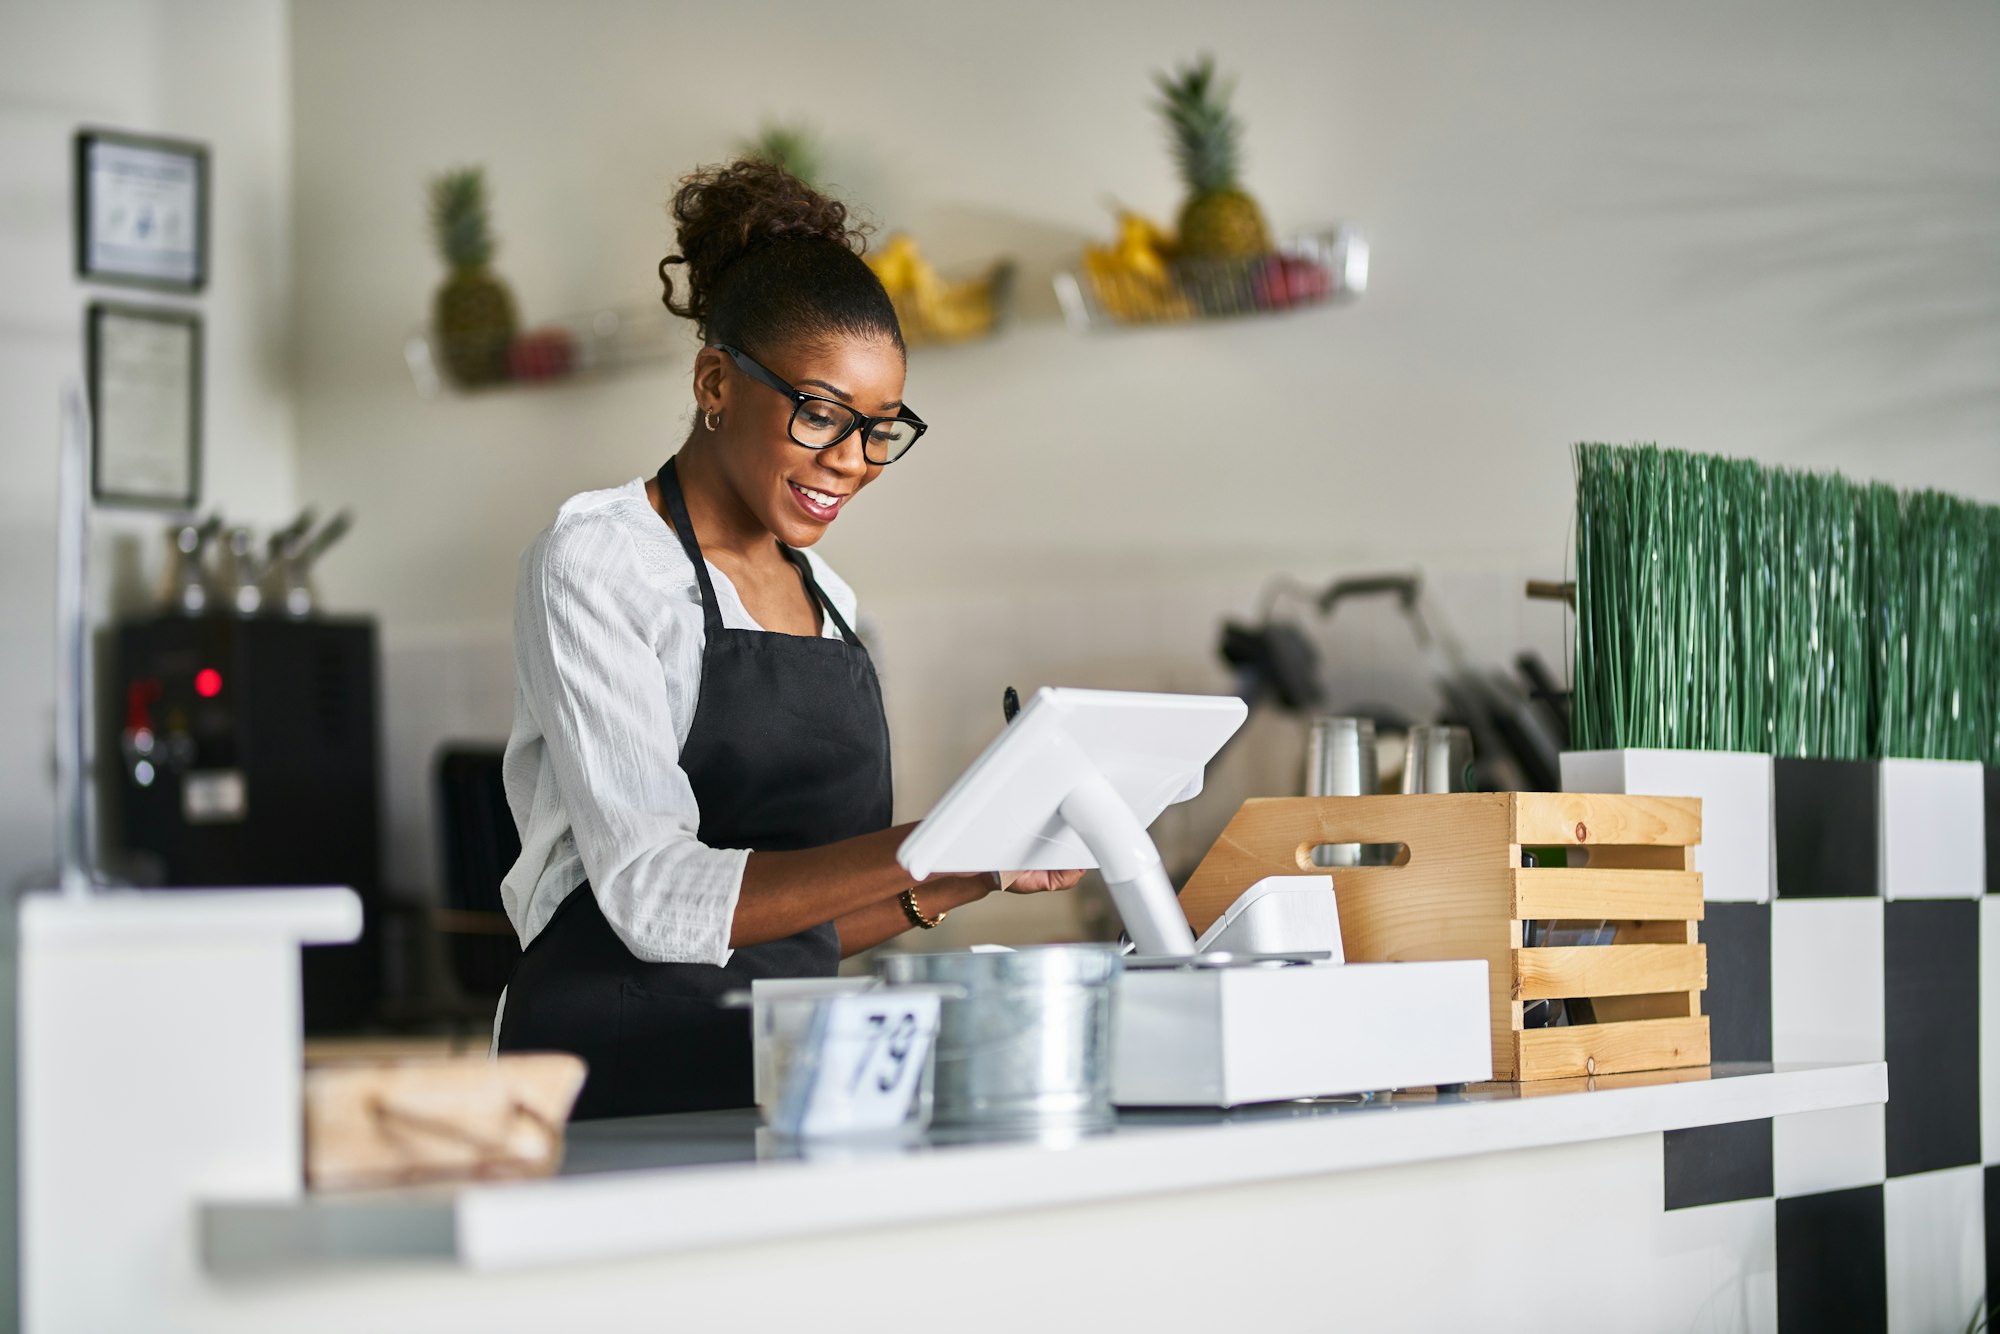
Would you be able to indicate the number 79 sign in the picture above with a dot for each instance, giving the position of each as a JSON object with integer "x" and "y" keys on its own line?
{"x": 859, "y": 1065}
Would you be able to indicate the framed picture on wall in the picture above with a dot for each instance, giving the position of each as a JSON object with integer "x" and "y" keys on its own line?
{"x": 141, "y": 211}
{"x": 144, "y": 366}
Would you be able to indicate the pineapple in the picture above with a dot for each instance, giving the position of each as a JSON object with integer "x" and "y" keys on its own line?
{"x": 1218, "y": 221}
{"x": 473, "y": 313}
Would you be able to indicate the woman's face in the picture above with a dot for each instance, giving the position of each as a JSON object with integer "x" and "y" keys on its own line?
{"x": 797, "y": 492}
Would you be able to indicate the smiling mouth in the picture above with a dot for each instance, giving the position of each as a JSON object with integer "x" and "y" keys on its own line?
{"x": 821, "y": 505}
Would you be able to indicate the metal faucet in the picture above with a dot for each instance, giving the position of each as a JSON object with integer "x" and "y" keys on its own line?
{"x": 189, "y": 590}
{"x": 288, "y": 581}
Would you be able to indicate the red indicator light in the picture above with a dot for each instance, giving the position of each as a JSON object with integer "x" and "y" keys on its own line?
{"x": 139, "y": 697}
{"x": 208, "y": 683}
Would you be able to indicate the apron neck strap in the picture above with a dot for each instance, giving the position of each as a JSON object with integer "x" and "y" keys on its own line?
{"x": 669, "y": 485}
{"x": 677, "y": 515}
{"x": 804, "y": 567}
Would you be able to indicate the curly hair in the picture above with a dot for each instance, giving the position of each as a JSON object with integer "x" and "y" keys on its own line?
{"x": 769, "y": 261}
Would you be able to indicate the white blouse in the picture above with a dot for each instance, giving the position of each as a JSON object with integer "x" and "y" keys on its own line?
{"x": 607, "y": 670}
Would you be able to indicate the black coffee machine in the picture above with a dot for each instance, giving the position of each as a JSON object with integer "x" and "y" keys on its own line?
{"x": 248, "y": 754}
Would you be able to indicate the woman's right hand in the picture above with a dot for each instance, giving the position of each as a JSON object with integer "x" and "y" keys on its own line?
{"x": 1038, "y": 882}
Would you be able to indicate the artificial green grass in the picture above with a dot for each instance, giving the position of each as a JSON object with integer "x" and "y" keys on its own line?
{"x": 1820, "y": 698}
{"x": 1889, "y": 619}
{"x": 1726, "y": 606}
{"x": 1673, "y": 632}
{"x": 1941, "y": 708}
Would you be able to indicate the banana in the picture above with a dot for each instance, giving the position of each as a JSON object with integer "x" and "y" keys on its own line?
{"x": 1130, "y": 276}
{"x": 895, "y": 263}
{"x": 931, "y": 308}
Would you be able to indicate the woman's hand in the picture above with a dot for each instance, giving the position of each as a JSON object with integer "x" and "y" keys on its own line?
{"x": 1038, "y": 882}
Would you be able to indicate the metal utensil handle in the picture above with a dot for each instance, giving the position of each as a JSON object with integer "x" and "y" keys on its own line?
{"x": 336, "y": 528}
{"x": 287, "y": 537}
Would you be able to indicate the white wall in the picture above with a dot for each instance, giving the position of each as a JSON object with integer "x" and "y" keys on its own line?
{"x": 212, "y": 70}
{"x": 216, "y": 71}
{"x": 1764, "y": 230}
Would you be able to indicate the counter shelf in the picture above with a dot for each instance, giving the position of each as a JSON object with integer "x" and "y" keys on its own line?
{"x": 667, "y": 1184}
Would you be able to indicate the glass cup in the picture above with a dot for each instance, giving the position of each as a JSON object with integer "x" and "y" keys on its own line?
{"x": 1440, "y": 759}
{"x": 1340, "y": 762}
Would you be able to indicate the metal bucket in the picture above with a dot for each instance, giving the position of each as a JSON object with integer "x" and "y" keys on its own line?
{"x": 1029, "y": 1045}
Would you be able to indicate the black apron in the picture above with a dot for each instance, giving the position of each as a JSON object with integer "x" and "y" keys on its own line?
{"x": 788, "y": 748}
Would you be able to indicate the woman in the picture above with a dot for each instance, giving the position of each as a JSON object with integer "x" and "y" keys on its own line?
{"x": 700, "y": 764}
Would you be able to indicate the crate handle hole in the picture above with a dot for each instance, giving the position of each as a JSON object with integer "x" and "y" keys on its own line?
{"x": 1318, "y": 856}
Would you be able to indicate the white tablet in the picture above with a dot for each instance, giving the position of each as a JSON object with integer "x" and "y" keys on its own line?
{"x": 1002, "y": 812}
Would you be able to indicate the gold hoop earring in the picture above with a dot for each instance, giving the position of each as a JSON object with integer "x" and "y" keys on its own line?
{"x": 711, "y": 419}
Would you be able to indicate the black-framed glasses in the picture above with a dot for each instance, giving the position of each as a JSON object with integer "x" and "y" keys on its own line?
{"x": 822, "y": 423}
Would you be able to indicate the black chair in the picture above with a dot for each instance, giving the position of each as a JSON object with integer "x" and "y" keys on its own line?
{"x": 478, "y": 844}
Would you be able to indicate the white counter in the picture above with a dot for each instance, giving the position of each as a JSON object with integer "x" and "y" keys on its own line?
{"x": 659, "y": 1185}
{"x": 160, "y": 1165}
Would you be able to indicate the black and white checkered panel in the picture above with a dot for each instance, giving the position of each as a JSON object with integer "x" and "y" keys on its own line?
{"x": 1875, "y": 948}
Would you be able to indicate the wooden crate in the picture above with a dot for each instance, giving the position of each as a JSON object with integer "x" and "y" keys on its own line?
{"x": 1459, "y": 890}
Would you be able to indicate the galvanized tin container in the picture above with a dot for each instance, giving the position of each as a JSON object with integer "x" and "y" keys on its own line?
{"x": 1029, "y": 1044}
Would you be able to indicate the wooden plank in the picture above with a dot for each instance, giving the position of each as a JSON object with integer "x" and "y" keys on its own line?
{"x": 1609, "y": 970}
{"x": 1568, "y": 819}
{"x": 1610, "y": 1049}
{"x": 1629, "y": 1079}
{"x": 1554, "y": 893}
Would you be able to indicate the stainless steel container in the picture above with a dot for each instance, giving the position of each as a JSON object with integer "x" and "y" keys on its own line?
{"x": 1029, "y": 1045}
{"x": 1340, "y": 762}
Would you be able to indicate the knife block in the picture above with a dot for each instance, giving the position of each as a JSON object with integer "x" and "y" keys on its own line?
{"x": 1458, "y": 889}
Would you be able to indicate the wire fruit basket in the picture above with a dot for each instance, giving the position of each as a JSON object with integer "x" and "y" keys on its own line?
{"x": 613, "y": 338}
{"x": 1312, "y": 269}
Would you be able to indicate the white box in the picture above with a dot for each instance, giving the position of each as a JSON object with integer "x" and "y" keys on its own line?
{"x": 1932, "y": 840}
{"x": 1737, "y": 854}
{"x": 1224, "y": 1037}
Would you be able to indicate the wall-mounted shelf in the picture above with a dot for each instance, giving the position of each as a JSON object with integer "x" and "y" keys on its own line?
{"x": 966, "y": 309}
{"x": 1313, "y": 269}
{"x": 597, "y": 343}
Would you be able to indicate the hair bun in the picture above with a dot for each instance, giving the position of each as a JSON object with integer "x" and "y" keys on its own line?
{"x": 723, "y": 214}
